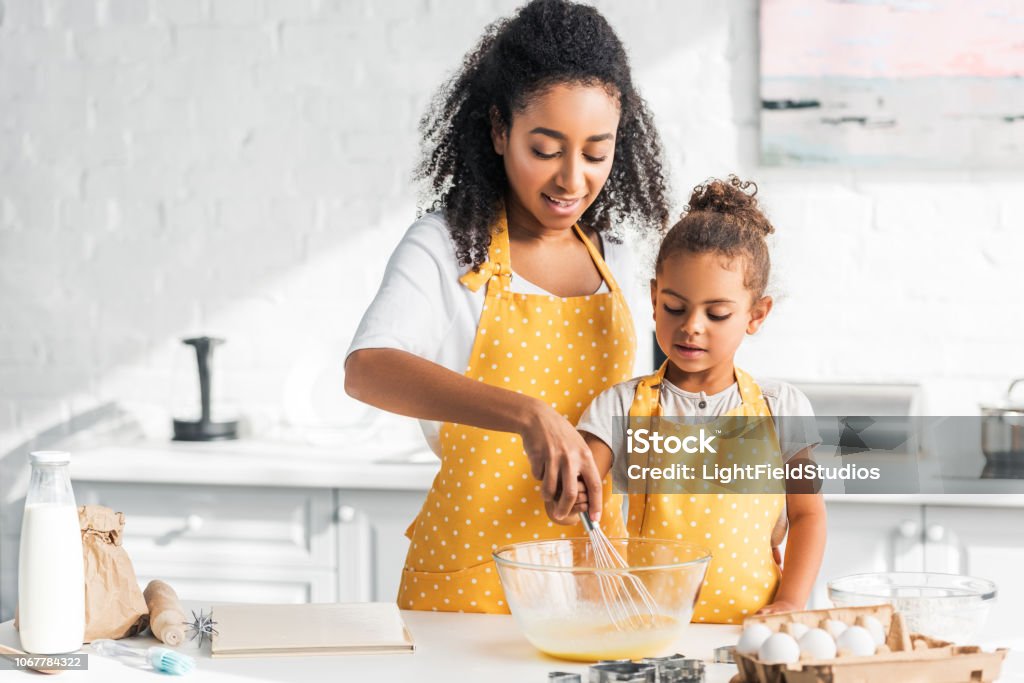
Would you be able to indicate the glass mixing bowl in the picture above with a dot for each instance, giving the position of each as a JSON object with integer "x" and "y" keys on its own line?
{"x": 561, "y": 602}
{"x": 949, "y": 607}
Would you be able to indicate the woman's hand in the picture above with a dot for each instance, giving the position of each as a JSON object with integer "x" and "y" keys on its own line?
{"x": 558, "y": 455}
{"x": 561, "y": 460}
{"x": 577, "y": 508}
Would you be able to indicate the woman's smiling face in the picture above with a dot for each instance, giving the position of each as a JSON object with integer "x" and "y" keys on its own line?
{"x": 558, "y": 153}
{"x": 702, "y": 310}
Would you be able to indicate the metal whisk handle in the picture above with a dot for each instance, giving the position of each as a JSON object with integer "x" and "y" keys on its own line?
{"x": 587, "y": 522}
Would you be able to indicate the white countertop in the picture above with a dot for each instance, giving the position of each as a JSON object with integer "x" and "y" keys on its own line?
{"x": 254, "y": 463}
{"x": 449, "y": 647}
{"x": 283, "y": 463}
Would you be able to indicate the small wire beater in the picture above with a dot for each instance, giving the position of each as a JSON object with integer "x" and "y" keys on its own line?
{"x": 201, "y": 627}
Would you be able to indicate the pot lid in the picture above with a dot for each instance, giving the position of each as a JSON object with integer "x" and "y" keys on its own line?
{"x": 1011, "y": 403}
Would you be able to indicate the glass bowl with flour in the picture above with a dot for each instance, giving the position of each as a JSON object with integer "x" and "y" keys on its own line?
{"x": 950, "y": 607}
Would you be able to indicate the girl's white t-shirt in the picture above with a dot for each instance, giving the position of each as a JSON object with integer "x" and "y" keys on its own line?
{"x": 422, "y": 308}
{"x": 606, "y": 415}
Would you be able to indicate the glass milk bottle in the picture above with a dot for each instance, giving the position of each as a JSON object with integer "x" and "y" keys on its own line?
{"x": 51, "y": 580}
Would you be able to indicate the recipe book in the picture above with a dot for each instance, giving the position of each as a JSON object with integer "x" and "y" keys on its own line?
{"x": 312, "y": 629}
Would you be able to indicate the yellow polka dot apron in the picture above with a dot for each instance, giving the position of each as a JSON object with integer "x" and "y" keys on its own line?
{"x": 736, "y": 527}
{"x": 561, "y": 350}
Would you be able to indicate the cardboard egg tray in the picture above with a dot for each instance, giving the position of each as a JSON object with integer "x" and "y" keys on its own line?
{"x": 912, "y": 657}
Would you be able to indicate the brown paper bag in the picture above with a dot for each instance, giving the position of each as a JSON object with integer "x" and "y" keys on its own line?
{"x": 114, "y": 606}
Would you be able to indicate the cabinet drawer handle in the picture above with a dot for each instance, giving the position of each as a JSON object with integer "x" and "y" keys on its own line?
{"x": 346, "y": 513}
{"x": 192, "y": 523}
{"x": 908, "y": 529}
{"x": 935, "y": 533}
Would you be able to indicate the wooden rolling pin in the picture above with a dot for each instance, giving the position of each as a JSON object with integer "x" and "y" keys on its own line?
{"x": 15, "y": 652}
{"x": 166, "y": 618}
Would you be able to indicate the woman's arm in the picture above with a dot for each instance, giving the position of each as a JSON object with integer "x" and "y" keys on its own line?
{"x": 804, "y": 550}
{"x": 403, "y": 383}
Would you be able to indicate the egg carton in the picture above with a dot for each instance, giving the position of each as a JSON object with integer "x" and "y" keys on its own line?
{"x": 911, "y": 656}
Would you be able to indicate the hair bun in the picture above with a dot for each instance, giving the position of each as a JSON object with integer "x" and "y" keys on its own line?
{"x": 734, "y": 197}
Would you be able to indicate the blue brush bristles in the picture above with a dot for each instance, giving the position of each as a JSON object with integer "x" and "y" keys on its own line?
{"x": 169, "y": 661}
{"x": 160, "y": 658}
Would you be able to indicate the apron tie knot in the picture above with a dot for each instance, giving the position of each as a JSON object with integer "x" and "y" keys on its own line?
{"x": 475, "y": 279}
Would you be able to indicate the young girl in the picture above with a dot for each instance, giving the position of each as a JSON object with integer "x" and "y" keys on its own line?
{"x": 708, "y": 293}
{"x": 499, "y": 317}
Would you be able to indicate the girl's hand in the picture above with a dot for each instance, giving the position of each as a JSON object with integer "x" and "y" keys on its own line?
{"x": 561, "y": 460}
{"x": 779, "y": 606}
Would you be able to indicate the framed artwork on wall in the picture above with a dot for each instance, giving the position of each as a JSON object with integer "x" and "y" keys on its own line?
{"x": 892, "y": 83}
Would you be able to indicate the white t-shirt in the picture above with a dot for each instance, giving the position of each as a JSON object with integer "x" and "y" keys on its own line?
{"x": 604, "y": 418}
{"x": 422, "y": 308}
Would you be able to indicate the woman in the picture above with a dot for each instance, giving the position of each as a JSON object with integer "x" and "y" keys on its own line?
{"x": 499, "y": 317}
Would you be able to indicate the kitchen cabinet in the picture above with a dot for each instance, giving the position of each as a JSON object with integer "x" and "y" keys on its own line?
{"x": 869, "y": 538}
{"x": 208, "y": 584}
{"x": 220, "y": 524}
{"x": 295, "y": 525}
{"x": 987, "y": 542}
{"x": 258, "y": 544}
{"x": 983, "y": 542}
{"x": 252, "y": 543}
{"x": 371, "y": 541}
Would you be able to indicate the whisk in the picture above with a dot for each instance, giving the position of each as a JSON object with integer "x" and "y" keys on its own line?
{"x": 629, "y": 604}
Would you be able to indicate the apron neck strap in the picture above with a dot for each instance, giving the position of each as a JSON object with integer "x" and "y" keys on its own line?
{"x": 599, "y": 261}
{"x": 499, "y": 260}
{"x": 647, "y": 403}
{"x": 750, "y": 392}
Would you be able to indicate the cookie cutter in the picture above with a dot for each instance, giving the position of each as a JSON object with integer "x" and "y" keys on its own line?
{"x": 622, "y": 671}
{"x": 677, "y": 668}
{"x": 724, "y": 654}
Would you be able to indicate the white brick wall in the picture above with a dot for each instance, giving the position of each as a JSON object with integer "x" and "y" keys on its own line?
{"x": 241, "y": 167}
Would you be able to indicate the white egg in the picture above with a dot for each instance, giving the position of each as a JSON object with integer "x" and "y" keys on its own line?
{"x": 780, "y": 648}
{"x": 858, "y": 640}
{"x": 818, "y": 644}
{"x": 752, "y": 638}
{"x": 796, "y": 629}
{"x": 874, "y": 627}
{"x": 834, "y": 627}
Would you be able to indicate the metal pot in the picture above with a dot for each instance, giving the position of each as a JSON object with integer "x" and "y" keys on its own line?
{"x": 1002, "y": 431}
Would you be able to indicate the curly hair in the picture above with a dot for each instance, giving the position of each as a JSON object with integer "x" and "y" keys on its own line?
{"x": 723, "y": 217}
{"x": 548, "y": 42}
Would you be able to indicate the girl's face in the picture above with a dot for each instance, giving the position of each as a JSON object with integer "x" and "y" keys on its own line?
{"x": 702, "y": 310}
{"x": 558, "y": 152}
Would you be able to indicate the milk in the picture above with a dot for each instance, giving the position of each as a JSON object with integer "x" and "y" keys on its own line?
{"x": 51, "y": 582}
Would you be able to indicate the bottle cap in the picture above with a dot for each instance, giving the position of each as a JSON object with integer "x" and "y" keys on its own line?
{"x": 50, "y": 457}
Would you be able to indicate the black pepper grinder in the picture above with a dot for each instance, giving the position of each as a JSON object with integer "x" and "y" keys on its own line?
{"x": 204, "y": 429}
